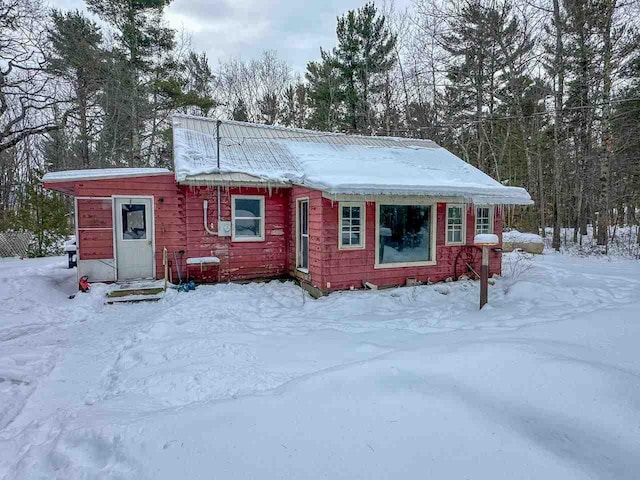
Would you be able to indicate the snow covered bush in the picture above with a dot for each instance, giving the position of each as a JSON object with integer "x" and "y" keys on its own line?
{"x": 516, "y": 263}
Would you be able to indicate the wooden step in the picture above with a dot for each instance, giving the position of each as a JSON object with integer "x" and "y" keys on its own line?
{"x": 136, "y": 291}
{"x": 147, "y": 297}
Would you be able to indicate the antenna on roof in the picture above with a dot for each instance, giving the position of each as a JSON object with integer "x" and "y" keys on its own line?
{"x": 218, "y": 122}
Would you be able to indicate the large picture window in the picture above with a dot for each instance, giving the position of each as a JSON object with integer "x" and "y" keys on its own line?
{"x": 351, "y": 221}
{"x": 484, "y": 220}
{"x": 404, "y": 235}
{"x": 247, "y": 218}
{"x": 455, "y": 225}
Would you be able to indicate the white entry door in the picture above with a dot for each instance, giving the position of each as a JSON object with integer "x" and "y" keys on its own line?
{"x": 134, "y": 238}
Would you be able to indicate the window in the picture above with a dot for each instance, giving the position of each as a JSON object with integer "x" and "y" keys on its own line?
{"x": 134, "y": 225}
{"x": 484, "y": 220}
{"x": 351, "y": 221}
{"x": 303, "y": 235}
{"x": 247, "y": 218}
{"x": 455, "y": 225}
{"x": 405, "y": 235}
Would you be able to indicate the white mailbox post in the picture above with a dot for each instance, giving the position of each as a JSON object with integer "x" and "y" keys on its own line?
{"x": 485, "y": 240}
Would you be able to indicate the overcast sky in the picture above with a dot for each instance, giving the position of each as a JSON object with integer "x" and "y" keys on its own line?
{"x": 222, "y": 28}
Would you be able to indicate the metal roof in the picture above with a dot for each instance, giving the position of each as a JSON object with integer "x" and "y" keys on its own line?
{"x": 254, "y": 148}
{"x": 332, "y": 162}
{"x": 235, "y": 131}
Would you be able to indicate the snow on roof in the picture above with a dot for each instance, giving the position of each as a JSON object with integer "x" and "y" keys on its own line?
{"x": 332, "y": 162}
{"x": 357, "y": 169}
{"x": 101, "y": 173}
{"x": 514, "y": 236}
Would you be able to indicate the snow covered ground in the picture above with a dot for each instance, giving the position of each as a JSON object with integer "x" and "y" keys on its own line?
{"x": 260, "y": 381}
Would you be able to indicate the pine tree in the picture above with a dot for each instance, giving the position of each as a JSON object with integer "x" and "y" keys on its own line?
{"x": 581, "y": 52}
{"x": 325, "y": 95}
{"x": 294, "y": 105}
{"x": 114, "y": 141}
{"x": 269, "y": 106}
{"x": 301, "y": 105}
{"x": 143, "y": 45}
{"x": 240, "y": 113}
{"x": 289, "y": 106}
{"x": 197, "y": 88}
{"x": 476, "y": 61}
{"x": 55, "y": 150}
{"x": 76, "y": 55}
{"x": 44, "y": 214}
{"x": 363, "y": 57}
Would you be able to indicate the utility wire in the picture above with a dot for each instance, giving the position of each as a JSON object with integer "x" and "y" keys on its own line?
{"x": 456, "y": 123}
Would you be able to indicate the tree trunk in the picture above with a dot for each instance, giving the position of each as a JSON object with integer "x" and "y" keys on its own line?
{"x": 605, "y": 160}
{"x": 84, "y": 128}
{"x": 558, "y": 104}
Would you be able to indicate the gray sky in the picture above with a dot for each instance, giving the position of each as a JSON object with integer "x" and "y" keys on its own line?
{"x": 295, "y": 28}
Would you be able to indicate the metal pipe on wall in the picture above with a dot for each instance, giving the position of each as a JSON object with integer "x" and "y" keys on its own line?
{"x": 205, "y": 203}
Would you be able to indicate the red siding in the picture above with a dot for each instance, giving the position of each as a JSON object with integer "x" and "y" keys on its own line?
{"x": 345, "y": 269}
{"x": 179, "y": 225}
{"x": 239, "y": 260}
{"x": 169, "y": 214}
{"x": 96, "y": 242}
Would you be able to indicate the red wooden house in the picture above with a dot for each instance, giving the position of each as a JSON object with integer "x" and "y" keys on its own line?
{"x": 252, "y": 201}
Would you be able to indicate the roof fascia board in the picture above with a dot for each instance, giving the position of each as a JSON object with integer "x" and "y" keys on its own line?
{"x": 104, "y": 177}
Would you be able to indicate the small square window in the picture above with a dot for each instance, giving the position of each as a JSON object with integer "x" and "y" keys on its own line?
{"x": 351, "y": 223}
{"x": 455, "y": 225}
{"x": 247, "y": 218}
{"x": 484, "y": 223}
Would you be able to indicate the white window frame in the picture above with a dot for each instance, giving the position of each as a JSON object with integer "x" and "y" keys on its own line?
{"x": 491, "y": 218}
{"x": 433, "y": 233}
{"x": 363, "y": 216}
{"x": 298, "y": 236}
{"x": 259, "y": 238}
{"x": 463, "y": 218}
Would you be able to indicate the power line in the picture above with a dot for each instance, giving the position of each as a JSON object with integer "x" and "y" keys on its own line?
{"x": 456, "y": 123}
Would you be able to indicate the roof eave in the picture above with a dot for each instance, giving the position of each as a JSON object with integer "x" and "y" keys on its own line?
{"x": 101, "y": 177}
{"x": 375, "y": 194}
{"x": 66, "y": 188}
{"x": 232, "y": 179}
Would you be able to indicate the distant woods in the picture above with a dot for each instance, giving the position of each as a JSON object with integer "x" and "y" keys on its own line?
{"x": 543, "y": 94}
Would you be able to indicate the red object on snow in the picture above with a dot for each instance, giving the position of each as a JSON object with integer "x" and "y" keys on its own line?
{"x": 83, "y": 284}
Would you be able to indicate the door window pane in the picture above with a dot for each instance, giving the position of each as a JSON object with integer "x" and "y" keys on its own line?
{"x": 405, "y": 234}
{"x": 134, "y": 225}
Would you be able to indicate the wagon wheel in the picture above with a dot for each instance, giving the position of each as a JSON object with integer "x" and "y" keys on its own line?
{"x": 468, "y": 261}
